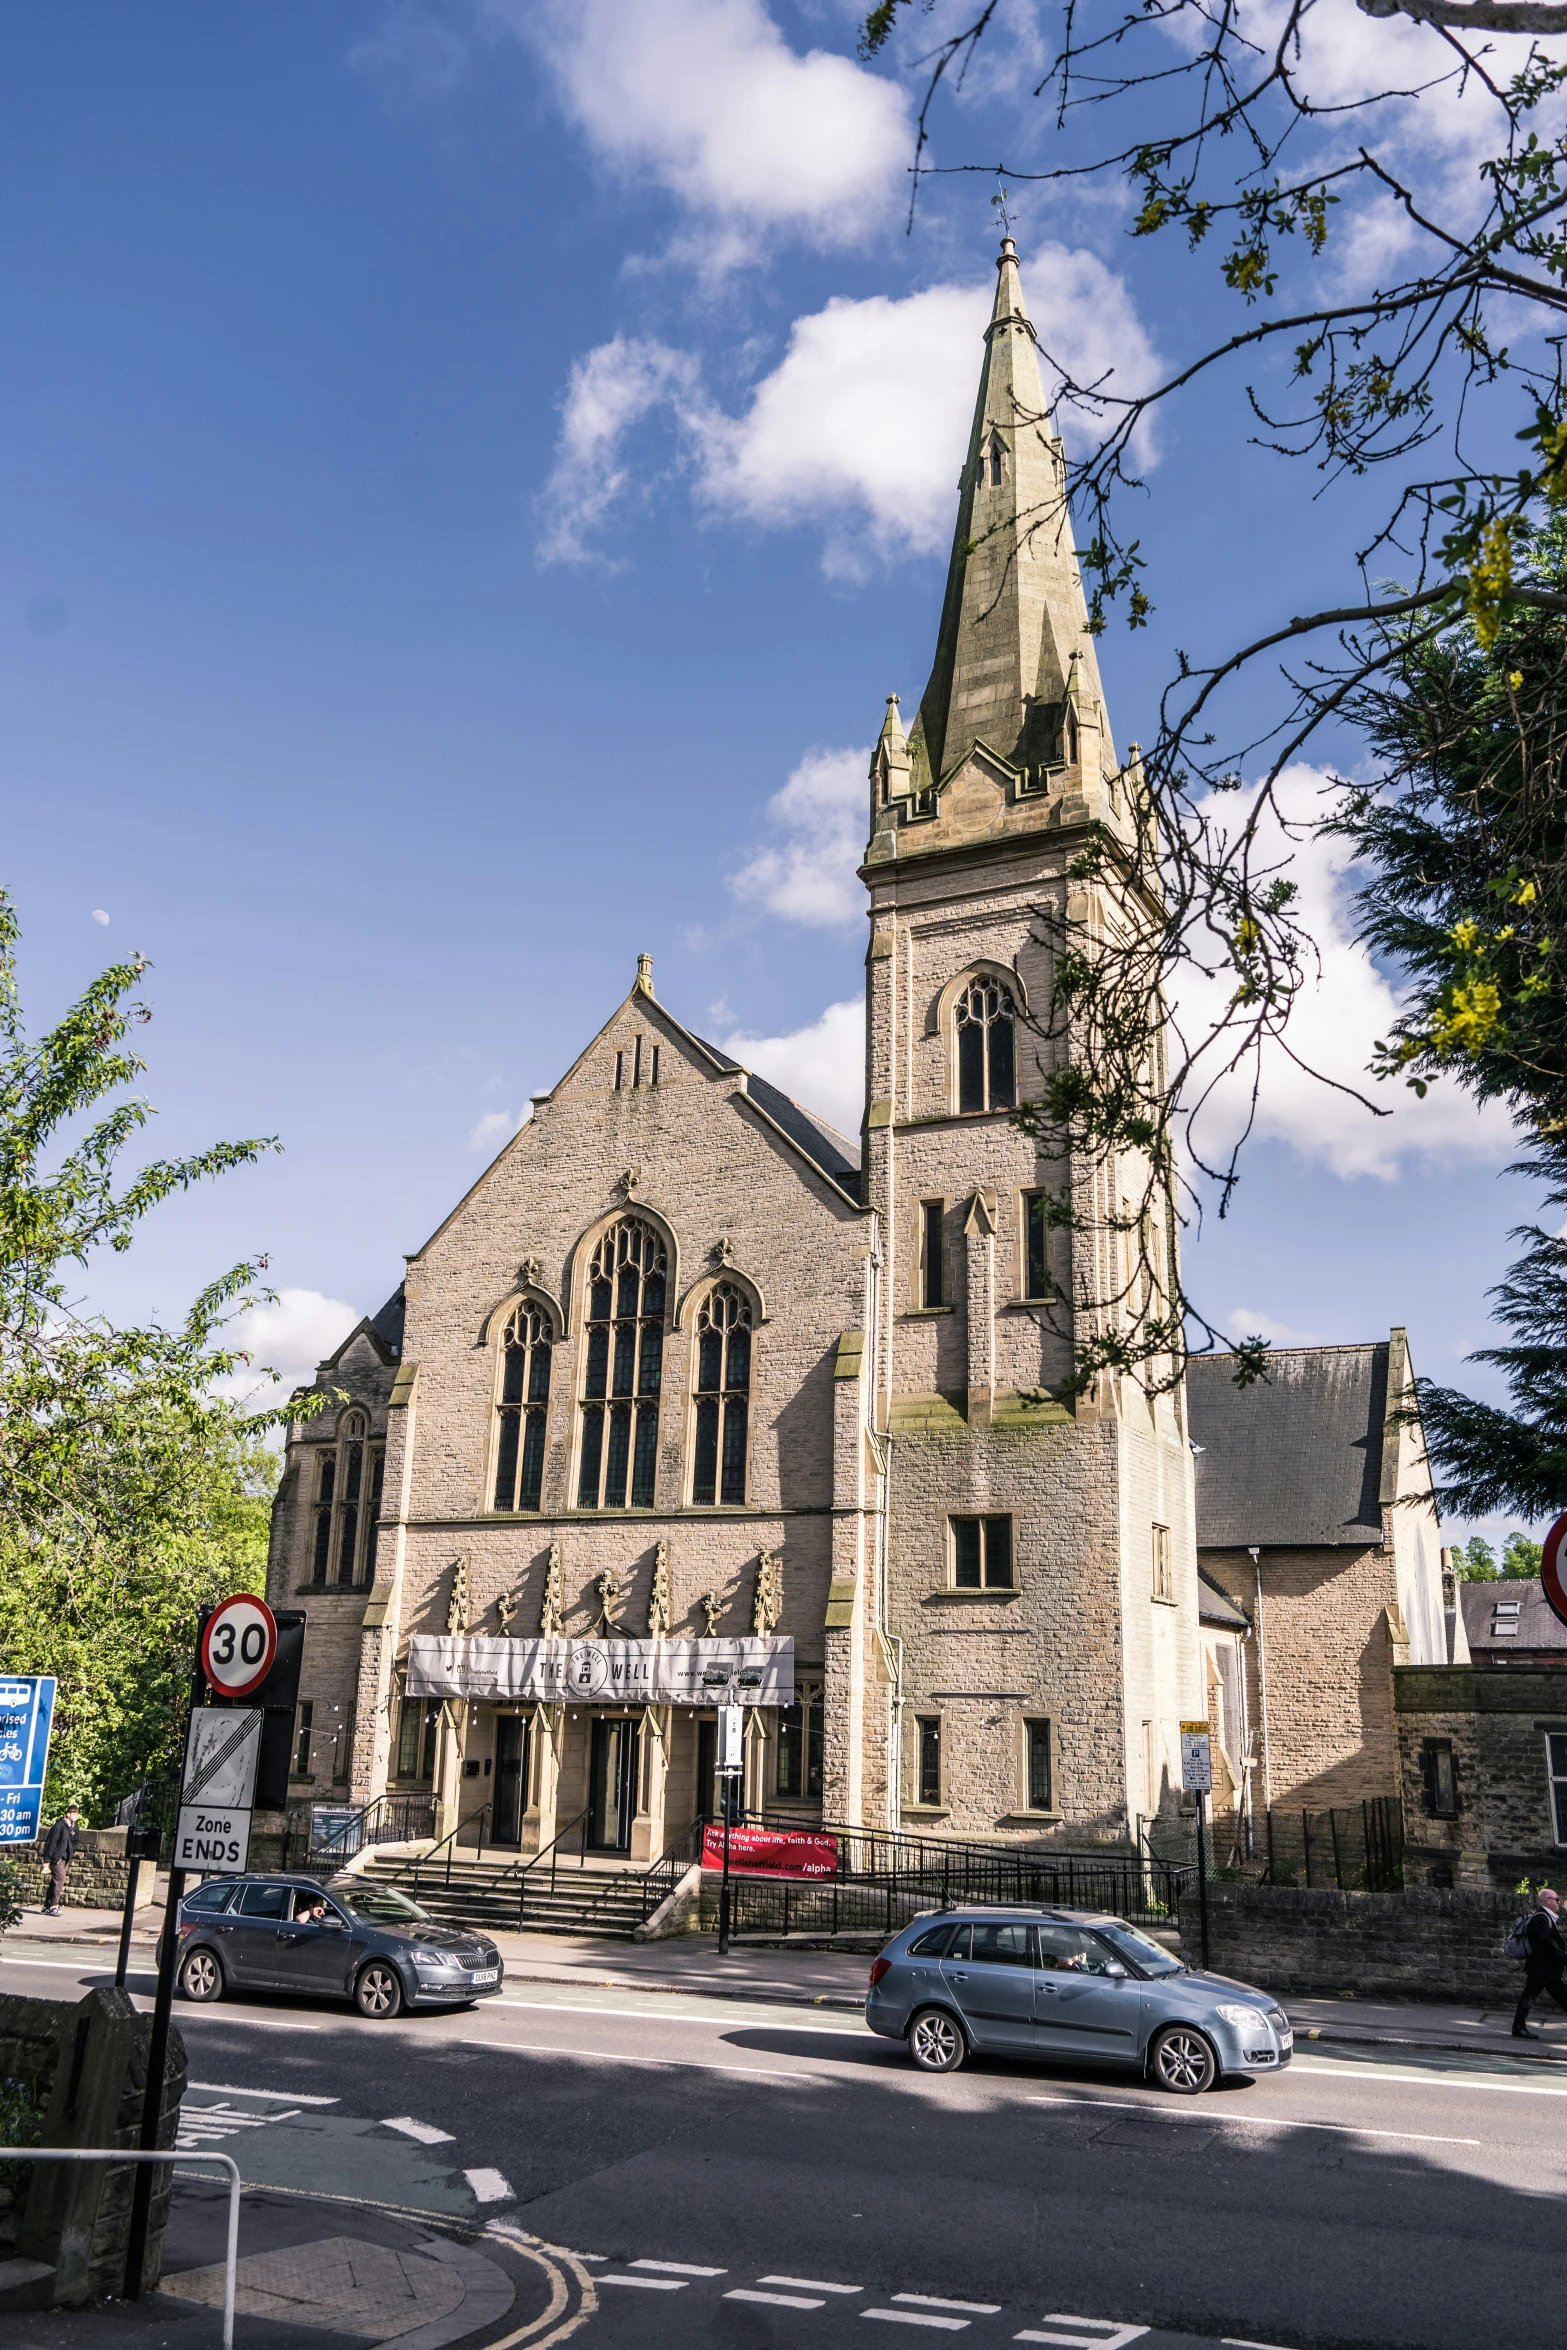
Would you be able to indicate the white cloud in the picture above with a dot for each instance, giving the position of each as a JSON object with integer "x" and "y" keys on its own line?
{"x": 494, "y": 1128}
{"x": 859, "y": 430}
{"x": 289, "y": 1336}
{"x": 811, "y": 877}
{"x": 1246, "y": 1322}
{"x": 610, "y": 390}
{"x": 706, "y": 99}
{"x": 1340, "y": 1013}
{"x": 822, "y": 1067}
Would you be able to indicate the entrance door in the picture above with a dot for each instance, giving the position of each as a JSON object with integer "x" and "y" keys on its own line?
{"x": 613, "y": 1784}
{"x": 511, "y": 1763}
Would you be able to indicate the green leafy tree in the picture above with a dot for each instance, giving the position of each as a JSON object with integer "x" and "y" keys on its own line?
{"x": 1476, "y": 1560}
{"x": 130, "y": 1491}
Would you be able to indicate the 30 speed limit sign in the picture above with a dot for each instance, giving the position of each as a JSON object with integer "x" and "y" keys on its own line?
{"x": 238, "y": 1645}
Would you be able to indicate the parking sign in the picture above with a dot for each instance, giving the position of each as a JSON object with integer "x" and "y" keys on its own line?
{"x": 26, "y": 1717}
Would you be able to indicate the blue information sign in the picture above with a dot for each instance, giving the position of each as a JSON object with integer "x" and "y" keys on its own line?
{"x": 26, "y": 1715}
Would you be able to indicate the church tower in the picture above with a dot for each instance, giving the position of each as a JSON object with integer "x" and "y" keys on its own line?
{"x": 1040, "y": 1580}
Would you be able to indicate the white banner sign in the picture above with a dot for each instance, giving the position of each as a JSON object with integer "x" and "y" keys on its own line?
{"x": 604, "y": 1672}
{"x": 212, "y": 1838}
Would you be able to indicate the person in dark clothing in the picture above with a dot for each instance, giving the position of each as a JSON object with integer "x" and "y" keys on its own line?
{"x": 1546, "y": 1963}
{"x": 59, "y": 1852}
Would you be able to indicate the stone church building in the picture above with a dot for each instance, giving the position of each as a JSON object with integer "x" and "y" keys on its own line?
{"x": 689, "y": 1376}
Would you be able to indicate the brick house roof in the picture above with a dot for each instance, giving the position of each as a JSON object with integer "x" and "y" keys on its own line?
{"x": 1294, "y": 1460}
{"x": 1538, "y": 1634}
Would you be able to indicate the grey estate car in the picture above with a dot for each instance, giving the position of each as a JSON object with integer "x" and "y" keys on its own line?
{"x": 370, "y": 1944}
{"x": 1070, "y": 1984}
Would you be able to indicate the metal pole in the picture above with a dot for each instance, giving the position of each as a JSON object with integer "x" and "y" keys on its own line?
{"x": 1262, "y": 1680}
{"x": 158, "y": 2045}
{"x": 119, "y": 2154}
{"x": 132, "y": 1881}
{"x": 1202, "y": 1873}
{"x": 723, "y": 1889}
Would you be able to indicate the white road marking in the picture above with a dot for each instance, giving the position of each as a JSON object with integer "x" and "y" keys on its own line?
{"x": 231, "y": 2023}
{"x": 648, "y": 2284}
{"x": 679, "y": 2268}
{"x": 775, "y": 2300}
{"x": 796, "y": 2022}
{"x": 426, "y": 2134}
{"x": 490, "y": 2186}
{"x": 1390, "y": 2072}
{"x": 810, "y": 2285}
{"x": 914, "y": 2317}
{"x": 933, "y": 2301}
{"x": 1236, "y": 2342}
{"x": 1116, "y": 2337}
{"x": 1249, "y": 2121}
{"x": 751, "y": 2072}
{"x": 279, "y": 2096}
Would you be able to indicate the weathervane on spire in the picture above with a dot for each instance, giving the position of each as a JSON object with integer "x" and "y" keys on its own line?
{"x": 999, "y": 201}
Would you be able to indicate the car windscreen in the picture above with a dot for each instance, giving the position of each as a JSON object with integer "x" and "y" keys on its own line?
{"x": 383, "y": 1905}
{"x": 1140, "y": 1950}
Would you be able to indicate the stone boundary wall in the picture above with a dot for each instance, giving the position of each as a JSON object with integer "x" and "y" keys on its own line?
{"x": 1419, "y": 1944}
{"x": 95, "y": 1878}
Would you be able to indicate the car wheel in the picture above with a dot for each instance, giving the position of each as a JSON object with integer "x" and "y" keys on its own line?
{"x": 936, "y": 2041}
{"x": 200, "y": 1975}
{"x": 1182, "y": 2059}
{"x": 379, "y": 1991}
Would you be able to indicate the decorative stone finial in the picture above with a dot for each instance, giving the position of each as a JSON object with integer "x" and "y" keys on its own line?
{"x": 457, "y": 1604}
{"x": 768, "y": 1604}
{"x": 723, "y": 1251}
{"x": 658, "y": 1617}
{"x": 608, "y": 1588}
{"x": 630, "y": 1181}
{"x": 554, "y": 1607}
{"x": 530, "y": 1272}
{"x": 645, "y": 973}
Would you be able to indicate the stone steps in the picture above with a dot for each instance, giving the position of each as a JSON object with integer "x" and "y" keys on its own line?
{"x": 486, "y": 1893}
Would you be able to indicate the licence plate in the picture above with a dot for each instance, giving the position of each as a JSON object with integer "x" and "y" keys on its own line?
{"x": 485, "y": 1974}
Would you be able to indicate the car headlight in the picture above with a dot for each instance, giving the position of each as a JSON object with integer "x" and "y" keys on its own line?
{"x": 428, "y": 1958}
{"x": 1243, "y": 2018}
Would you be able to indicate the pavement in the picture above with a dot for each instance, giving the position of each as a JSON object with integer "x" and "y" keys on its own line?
{"x": 777, "y": 1973}
{"x": 663, "y": 2164}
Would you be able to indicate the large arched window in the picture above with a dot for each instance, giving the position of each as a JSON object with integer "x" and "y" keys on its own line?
{"x": 348, "y": 1505}
{"x": 984, "y": 1022}
{"x": 723, "y": 1395}
{"x": 624, "y": 1368}
{"x": 523, "y": 1407}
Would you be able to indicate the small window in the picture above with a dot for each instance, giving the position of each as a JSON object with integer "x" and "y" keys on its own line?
{"x": 655, "y": 1064}
{"x": 343, "y": 1749}
{"x": 930, "y": 1759}
{"x": 1036, "y": 1246}
{"x": 1002, "y": 1943}
{"x": 620, "y": 1072}
{"x": 800, "y": 1747}
{"x": 1163, "y": 1580}
{"x": 348, "y": 1503}
{"x": 982, "y": 1554}
{"x": 932, "y": 1945}
{"x": 523, "y": 1409}
{"x": 325, "y": 1483}
{"x": 302, "y": 1721}
{"x": 1556, "y": 1770}
{"x": 723, "y": 1397}
{"x": 416, "y": 1739}
{"x": 264, "y": 1901}
{"x": 985, "y": 1047}
{"x": 932, "y": 1285}
{"x": 1037, "y": 1762}
{"x": 996, "y": 461}
{"x": 1441, "y": 1783}
{"x": 209, "y": 1898}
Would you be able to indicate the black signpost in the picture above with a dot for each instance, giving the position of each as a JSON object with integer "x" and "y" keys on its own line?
{"x": 140, "y": 1844}
{"x": 276, "y": 1694}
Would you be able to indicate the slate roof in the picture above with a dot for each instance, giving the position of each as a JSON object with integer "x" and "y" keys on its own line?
{"x": 1294, "y": 1460}
{"x": 388, "y": 1323}
{"x": 822, "y": 1144}
{"x": 1216, "y": 1607}
{"x": 1538, "y": 1625}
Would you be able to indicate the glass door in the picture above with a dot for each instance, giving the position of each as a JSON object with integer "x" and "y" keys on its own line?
{"x": 612, "y": 1783}
{"x": 511, "y": 1771}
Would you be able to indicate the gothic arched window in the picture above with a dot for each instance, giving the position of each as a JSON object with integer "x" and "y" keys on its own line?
{"x": 348, "y": 1505}
{"x": 723, "y": 1394}
{"x": 984, "y": 1020}
{"x": 624, "y": 1368}
{"x": 523, "y": 1408}
{"x": 996, "y": 460}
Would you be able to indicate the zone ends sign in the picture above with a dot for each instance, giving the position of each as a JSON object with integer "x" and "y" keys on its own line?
{"x": 238, "y": 1645}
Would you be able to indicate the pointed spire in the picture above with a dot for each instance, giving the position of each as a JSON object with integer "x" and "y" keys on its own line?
{"x": 1014, "y": 649}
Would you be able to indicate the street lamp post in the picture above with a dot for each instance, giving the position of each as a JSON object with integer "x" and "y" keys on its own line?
{"x": 730, "y": 1740}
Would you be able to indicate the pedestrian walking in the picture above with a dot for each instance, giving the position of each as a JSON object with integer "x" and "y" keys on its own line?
{"x": 1545, "y": 1960}
{"x": 59, "y": 1852}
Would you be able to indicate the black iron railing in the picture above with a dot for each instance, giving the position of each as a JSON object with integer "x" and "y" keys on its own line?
{"x": 390, "y": 1819}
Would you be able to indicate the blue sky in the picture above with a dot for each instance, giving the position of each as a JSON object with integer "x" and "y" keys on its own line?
{"x": 471, "y": 474}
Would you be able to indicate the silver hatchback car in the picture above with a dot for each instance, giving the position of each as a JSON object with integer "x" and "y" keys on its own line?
{"x": 1073, "y": 1985}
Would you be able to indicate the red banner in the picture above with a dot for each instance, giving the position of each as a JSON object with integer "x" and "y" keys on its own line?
{"x": 771, "y": 1852}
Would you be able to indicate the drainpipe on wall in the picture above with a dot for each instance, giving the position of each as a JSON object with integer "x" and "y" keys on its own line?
{"x": 1262, "y": 1677}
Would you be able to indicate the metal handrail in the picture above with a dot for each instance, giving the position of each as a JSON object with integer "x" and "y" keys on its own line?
{"x": 446, "y": 1845}
{"x": 550, "y": 1852}
{"x": 125, "y": 2154}
{"x": 351, "y": 1835}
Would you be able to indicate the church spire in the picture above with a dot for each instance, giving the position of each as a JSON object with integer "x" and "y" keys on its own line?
{"x": 1015, "y": 666}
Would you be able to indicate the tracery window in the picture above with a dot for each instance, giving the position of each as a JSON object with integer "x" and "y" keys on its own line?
{"x": 523, "y": 1408}
{"x": 627, "y": 1280}
{"x": 723, "y": 1396}
{"x": 985, "y": 1029}
{"x": 348, "y": 1506}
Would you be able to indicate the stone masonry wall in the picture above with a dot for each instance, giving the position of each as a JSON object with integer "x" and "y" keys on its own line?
{"x": 1497, "y": 1722}
{"x": 1417, "y": 1944}
{"x": 95, "y": 1878}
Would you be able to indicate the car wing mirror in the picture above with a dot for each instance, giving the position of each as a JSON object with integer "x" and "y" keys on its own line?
{"x": 1115, "y": 1969}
